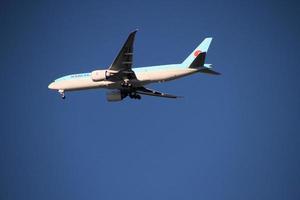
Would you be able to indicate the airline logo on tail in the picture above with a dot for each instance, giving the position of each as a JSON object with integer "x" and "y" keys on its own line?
{"x": 197, "y": 52}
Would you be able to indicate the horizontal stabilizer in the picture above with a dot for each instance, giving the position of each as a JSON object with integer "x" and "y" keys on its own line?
{"x": 209, "y": 71}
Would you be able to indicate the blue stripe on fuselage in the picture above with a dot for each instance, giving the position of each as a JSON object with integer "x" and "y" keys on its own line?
{"x": 73, "y": 76}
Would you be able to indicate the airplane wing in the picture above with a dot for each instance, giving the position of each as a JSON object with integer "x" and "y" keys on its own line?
{"x": 150, "y": 92}
{"x": 123, "y": 62}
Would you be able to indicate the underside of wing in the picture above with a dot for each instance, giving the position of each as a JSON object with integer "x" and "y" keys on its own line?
{"x": 123, "y": 62}
{"x": 150, "y": 92}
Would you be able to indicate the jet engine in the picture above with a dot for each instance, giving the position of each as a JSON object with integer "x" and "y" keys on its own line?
{"x": 98, "y": 75}
{"x": 115, "y": 95}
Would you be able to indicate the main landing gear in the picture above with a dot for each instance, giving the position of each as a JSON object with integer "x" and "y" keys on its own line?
{"x": 134, "y": 95}
{"x": 129, "y": 90}
{"x": 126, "y": 83}
{"x": 62, "y": 94}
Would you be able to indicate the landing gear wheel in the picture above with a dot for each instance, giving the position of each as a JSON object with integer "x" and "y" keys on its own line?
{"x": 62, "y": 93}
{"x": 133, "y": 95}
{"x": 125, "y": 84}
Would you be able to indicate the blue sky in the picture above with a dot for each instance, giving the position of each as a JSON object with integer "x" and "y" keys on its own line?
{"x": 234, "y": 136}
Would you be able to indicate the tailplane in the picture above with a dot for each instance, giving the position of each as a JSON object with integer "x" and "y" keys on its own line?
{"x": 207, "y": 69}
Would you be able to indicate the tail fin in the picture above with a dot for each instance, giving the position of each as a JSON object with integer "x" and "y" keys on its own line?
{"x": 197, "y": 57}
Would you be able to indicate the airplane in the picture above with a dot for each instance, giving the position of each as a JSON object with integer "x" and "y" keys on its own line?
{"x": 122, "y": 80}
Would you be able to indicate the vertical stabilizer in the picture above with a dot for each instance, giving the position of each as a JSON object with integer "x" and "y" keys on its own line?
{"x": 199, "y": 51}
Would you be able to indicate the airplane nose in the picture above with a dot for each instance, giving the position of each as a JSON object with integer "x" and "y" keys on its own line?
{"x": 51, "y": 86}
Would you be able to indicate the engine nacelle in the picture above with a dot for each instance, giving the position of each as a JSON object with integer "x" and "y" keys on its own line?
{"x": 101, "y": 75}
{"x": 98, "y": 75}
{"x": 116, "y": 95}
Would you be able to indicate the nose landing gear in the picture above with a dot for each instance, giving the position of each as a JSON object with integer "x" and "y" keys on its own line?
{"x": 62, "y": 93}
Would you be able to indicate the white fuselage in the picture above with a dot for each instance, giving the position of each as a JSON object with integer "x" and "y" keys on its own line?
{"x": 144, "y": 75}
